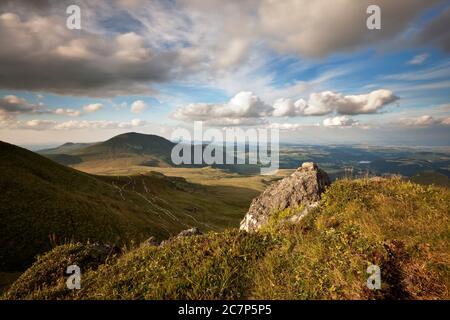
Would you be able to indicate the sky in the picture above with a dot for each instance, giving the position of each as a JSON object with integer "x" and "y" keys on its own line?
{"x": 312, "y": 69}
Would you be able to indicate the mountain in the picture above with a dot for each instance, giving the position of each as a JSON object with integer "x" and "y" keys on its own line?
{"x": 44, "y": 203}
{"x": 127, "y": 149}
{"x": 391, "y": 225}
{"x": 131, "y": 145}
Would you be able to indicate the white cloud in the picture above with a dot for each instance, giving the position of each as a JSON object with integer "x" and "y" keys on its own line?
{"x": 423, "y": 121}
{"x": 419, "y": 59}
{"x": 138, "y": 106}
{"x": 288, "y": 108}
{"x": 94, "y": 107}
{"x": 100, "y": 124}
{"x": 243, "y": 105}
{"x": 326, "y": 102}
{"x": 68, "y": 112}
{"x": 292, "y": 126}
{"x": 37, "y": 124}
{"x": 231, "y": 122}
{"x": 340, "y": 121}
{"x": 137, "y": 123}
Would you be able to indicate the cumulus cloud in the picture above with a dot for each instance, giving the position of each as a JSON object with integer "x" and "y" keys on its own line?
{"x": 243, "y": 105}
{"x": 41, "y": 54}
{"x": 288, "y": 108}
{"x": 36, "y": 124}
{"x": 340, "y": 121}
{"x": 327, "y": 102}
{"x": 94, "y": 107}
{"x": 15, "y": 105}
{"x": 68, "y": 112}
{"x": 138, "y": 106}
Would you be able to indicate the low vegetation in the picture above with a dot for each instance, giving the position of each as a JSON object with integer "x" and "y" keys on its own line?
{"x": 44, "y": 204}
{"x": 400, "y": 226}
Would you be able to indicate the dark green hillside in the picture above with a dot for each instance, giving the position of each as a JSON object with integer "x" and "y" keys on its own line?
{"x": 43, "y": 202}
{"x": 64, "y": 159}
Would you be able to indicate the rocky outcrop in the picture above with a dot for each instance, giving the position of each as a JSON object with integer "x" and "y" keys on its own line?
{"x": 302, "y": 189}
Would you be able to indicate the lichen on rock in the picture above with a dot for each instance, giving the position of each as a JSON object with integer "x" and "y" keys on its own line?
{"x": 303, "y": 188}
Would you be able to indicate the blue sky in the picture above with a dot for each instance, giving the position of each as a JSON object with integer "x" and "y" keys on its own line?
{"x": 154, "y": 66}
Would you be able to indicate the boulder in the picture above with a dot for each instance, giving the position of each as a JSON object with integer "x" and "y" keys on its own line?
{"x": 302, "y": 189}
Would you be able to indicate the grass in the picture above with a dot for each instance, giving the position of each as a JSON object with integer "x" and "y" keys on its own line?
{"x": 400, "y": 226}
{"x": 431, "y": 177}
{"x": 45, "y": 204}
{"x": 206, "y": 176}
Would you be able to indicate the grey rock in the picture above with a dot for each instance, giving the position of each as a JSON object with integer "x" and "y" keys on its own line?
{"x": 303, "y": 188}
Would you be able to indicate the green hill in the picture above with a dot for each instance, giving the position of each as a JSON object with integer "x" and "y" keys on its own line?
{"x": 127, "y": 149}
{"x": 402, "y": 227}
{"x": 431, "y": 177}
{"x": 43, "y": 204}
{"x": 130, "y": 145}
{"x": 66, "y": 148}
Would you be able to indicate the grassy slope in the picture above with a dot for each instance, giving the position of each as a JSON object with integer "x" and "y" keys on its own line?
{"x": 205, "y": 176}
{"x": 402, "y": 227}
{"x": 431, "y": 177}
{"x": 67, "y": 148}
{"x": 43, "y": 203}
